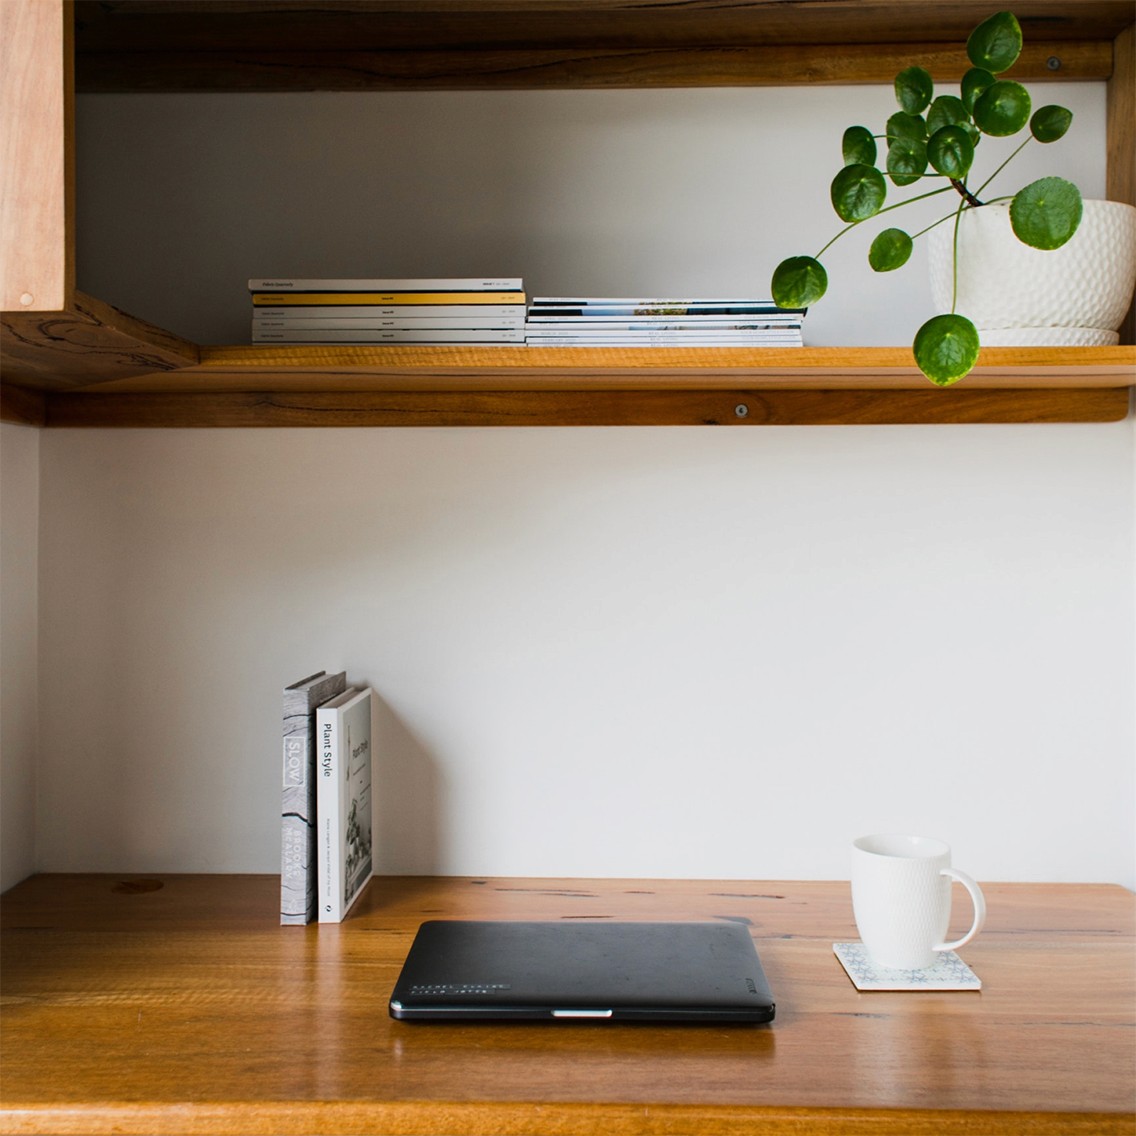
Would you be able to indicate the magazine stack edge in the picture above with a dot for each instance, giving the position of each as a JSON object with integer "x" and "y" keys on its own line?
{"x": 660, "y": 322}
{"x": 427, "y": 310}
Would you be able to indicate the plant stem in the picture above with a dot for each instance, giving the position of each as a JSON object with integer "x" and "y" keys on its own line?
{"x": 885, "y": 209}
{"x": 933, "y": 225}
{"x": 1028, "y": 140}
{"x": 955, "y": 259}
{"x": 965, "y": 193}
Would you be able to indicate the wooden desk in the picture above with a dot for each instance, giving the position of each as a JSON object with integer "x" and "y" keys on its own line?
{"x": 177, "y": 1004}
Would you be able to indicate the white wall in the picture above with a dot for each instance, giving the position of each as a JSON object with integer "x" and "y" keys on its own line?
{"x": 655, "y": 651}
{"x": 19, "y": 562}
{"x": 651, "y": 651}
{"x": 611, "y": 193}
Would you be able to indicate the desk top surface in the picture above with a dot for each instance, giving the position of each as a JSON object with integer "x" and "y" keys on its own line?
{"x": 177, "y": 1003}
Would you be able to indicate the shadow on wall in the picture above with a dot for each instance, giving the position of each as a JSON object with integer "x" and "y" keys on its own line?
{"x": 408, "y": 806}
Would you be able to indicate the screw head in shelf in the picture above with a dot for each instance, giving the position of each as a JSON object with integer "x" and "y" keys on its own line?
{"x": 741, "y": 410}
{"x": 27, "y": 298}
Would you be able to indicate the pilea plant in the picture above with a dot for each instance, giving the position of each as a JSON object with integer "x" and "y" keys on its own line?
{"x": 933, "y": 138}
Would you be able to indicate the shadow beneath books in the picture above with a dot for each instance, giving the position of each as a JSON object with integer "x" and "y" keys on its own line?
{"x": 407, "y": 790}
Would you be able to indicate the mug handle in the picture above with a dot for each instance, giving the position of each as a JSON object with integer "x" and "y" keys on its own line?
{"x": 976, "y": 898}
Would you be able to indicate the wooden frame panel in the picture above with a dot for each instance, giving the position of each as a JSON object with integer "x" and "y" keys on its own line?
{"x": 37, "y": 269}
{"x": 585, "y": 408}
{"x": 1121, "y": 172}
{"x": 564, "y": 68}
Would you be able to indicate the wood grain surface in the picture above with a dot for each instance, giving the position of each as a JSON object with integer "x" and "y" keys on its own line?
{"x": 563, "y": 68}
{"x": 331, "y": 367}
{"x": 88, "y": 343}
{"x": 1121, "y": 139}
{"x": 37, "y": 268}
{"x": 542, "y": 386}
{"x": 743, "y": 408}
{"x": 369, "y": 44}
{"x": 178, "y": 1004}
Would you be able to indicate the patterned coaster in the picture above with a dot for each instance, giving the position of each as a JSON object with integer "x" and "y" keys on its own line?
{"x": 949, "y": 973}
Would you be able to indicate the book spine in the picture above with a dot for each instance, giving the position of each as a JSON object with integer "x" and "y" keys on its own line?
{"x": 298, "y": 883}
{"x": 329, "y": 808}
{"x": 694, "y": 318}
{"x": 437, "y": 335}
{"x": 663, "y": 303}
{"x": 661, "y": 341}
{"x": 422, "y": 323}
{"x": 280, "y": 299}
{"x": 414, "y": 284}
{"x": 587, "y": 327}
{"x": 385, "y": 311}
{"x": 297, "y": 835}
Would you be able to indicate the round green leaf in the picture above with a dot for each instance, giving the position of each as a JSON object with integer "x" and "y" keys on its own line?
{"x": 974, "y": 82}
{"x": 1050, "y": 123}
{"x": 907, "y": 149}
{"x": 913, "y": 89}
{"x": 906, "y": 160}
{"x": 996, "y": 43}
{"x": 798, "y": 282}
{"x": 1002, "y": 109}
{"x": 946, "y": 348}
{"x": 946, "y": 110}
{"x": 903, "y": 125}
{"x": 858, "y": 192}
{"x": 858, "y": 146}
{"x": 1046, "y": 213}
{"x": 890, "y": 250}
{"x": 950, "y": 151}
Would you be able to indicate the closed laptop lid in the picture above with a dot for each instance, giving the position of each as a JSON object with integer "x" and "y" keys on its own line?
{"x": 461, "y": 970}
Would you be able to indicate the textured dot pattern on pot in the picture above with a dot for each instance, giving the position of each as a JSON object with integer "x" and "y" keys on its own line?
{"x": 1075, "y": 295}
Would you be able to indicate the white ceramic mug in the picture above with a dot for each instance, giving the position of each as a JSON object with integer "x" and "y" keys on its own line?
{"x": 901, "y": 897}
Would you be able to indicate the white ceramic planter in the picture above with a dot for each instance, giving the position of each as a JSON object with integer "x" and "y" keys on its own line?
{"x": 1015, "y": 295}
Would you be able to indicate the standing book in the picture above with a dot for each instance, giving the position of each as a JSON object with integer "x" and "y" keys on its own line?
{"x": 343, "y": 752}
{"x": 298, "y": 807}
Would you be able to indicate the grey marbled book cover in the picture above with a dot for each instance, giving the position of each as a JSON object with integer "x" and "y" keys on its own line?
{"x": 298, "y": 810}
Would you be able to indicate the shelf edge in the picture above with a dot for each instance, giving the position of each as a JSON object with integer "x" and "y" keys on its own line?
{"x": 735, "y": 407}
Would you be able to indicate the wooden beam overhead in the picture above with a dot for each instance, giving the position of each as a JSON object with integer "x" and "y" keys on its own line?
{"x": 182, "y": 45}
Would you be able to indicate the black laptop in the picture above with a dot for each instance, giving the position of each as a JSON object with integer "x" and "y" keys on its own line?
{"x": 569, "y": 970}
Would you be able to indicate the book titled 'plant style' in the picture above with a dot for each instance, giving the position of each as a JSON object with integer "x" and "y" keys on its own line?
{"x": 343, "y": 801}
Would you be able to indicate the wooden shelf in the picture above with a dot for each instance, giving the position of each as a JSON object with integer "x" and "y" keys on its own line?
{"x": 87, "y": 364}
{"x": 96, "y": 366}
{"x": 178, "y": 1004}
{"x": 439, "y": 368}
{"x": 549, "y": 386}
{"x": 507, "y": 385}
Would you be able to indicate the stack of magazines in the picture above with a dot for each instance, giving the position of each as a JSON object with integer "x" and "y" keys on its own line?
{"x": 567, "y": 322}
{"x": 445, "y": 310}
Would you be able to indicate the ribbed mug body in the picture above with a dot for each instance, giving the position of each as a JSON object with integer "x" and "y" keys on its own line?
{"x": 901, "y": 899}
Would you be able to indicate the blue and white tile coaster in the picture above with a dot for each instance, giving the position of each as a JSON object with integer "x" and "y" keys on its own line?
{"x": 949, "y": 973}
